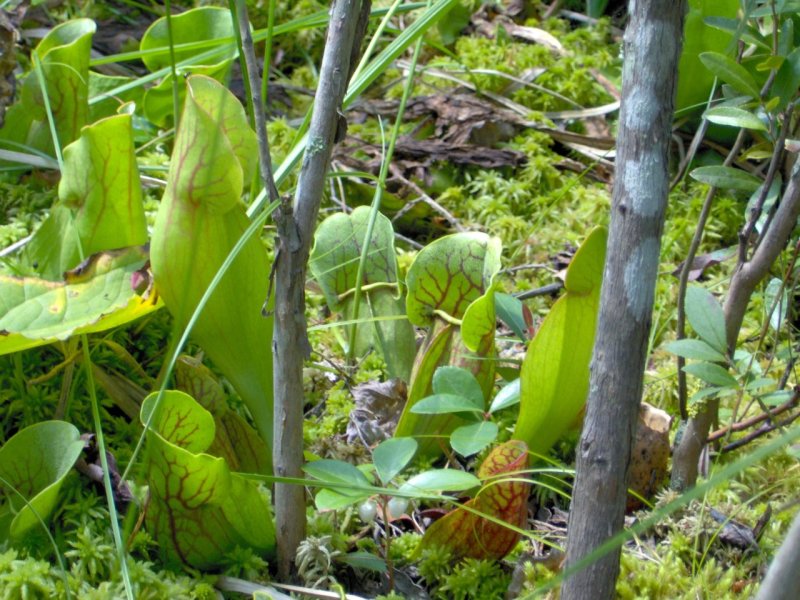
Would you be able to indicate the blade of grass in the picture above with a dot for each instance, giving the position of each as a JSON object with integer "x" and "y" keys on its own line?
{"x": 255, "y": 99}
{"x": 251, "y": 230}
{"x": 270, "y": 34}
{"x": 101, "y": 448}
{"x": 219, "y": 47}
{"x": 37, "y": 66}
{"x": 375, "y": 38}
{"x": 370, "y": 73}
{"x": 173, "y": 70}
{"x": 377, "y": 198}
{"x": 319, "y": 19}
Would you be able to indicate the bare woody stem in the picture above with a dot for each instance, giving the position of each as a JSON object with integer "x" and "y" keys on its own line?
{"x": 296, "y": 226}
{"x": 248, "y": 50}
{"x": 747, "y": 276}
{"x": 652, "y": 46}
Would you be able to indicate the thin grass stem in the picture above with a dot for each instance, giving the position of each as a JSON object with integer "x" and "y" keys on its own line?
{"x": 101, "y": 449}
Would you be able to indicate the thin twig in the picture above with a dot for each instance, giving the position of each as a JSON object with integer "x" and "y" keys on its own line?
{"x": 546, "y": 290}
{"x": 752, "y": 421}
{"x": 422, "y": 197}
{"x": 755, "y": 212}
{"x": 296, "y": 223}
{"x": 264, "y": 160}
{"x": 551, "y": 10}
{"x": 683, "y": 279}
{"x": 529, "y": 266}
{"x": 758, "y": 433}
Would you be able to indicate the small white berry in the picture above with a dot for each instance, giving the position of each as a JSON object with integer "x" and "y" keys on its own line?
{"x": 397, "y": 507}
{"x": 367, "y": 511}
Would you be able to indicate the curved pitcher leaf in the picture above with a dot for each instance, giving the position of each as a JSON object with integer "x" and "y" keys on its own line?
{"x": 451, "y": 289}
{"x": 196, "y": 28}
{"x": 337, "y": 248}
{"x": 334, "y": 264}
{"x": 480, "y": 323}
{"x": 449, "y": 274}
{"x": 199, "y": 221}
{"x": 235, "y": 441}
{"x": 35, "y": 462}
{"x": 96, "y": 296}
{"x": 100, "y": 200}
{"x": 430, "y": 432}
{"x": 199, "y": 509}
{"x": 64, "y": 55}
{"x": 466, "y": 534}
{"x": 554, "y": 380}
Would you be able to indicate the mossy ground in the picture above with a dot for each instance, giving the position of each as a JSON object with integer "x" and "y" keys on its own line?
{"x": 537, "y": 211}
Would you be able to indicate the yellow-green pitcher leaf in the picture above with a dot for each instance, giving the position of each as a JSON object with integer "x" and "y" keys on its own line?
{"x": 100, "y": 200}
{"x": 199, "y": 509}
{"x": 334, "y": 264}
{"x": 555, "y": 372}
{"x": 35, "y": 462}
{"x": 98, "y": 295}
{"x": 200, "y": 220}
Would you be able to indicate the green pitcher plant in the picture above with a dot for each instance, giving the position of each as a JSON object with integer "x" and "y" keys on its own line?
{"x": 451, "y": 286}
{"x": 200, "y": 219}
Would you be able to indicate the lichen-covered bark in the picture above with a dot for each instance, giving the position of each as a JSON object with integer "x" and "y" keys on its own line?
{"x": 652, "y": 48}
{"x": 783, "y": 577}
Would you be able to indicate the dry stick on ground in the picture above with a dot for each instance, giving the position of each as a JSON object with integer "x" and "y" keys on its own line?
{"x": 296, "y": 226}
{"x": 652, "y": 46}
{"x": 422, "y": 197}
{"x": 743, "y": 283}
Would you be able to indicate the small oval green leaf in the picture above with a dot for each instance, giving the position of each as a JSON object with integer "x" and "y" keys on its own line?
{"x": 471, "y": 439}
{"x": 695, "y": 349}
{"x": 776, "y": 299}
{"x": 731, "y": 72}
{"x": 711, "y": 373}
{"x": 510, "y": 311}
{"x": 391, "y": 456}
{"x": 726, "y": 177}
{"x": 508, "y": 396}
{"x": 336, "y": 471}
{"x": 734, "y": 117}
{"x": 442, "y": 404}
{"x": 441, "y": 480}
{"x": 458, "y": 381}
{"x": 706, "y": 317}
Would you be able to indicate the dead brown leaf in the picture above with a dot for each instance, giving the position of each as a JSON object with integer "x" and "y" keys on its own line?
{"x": 378, "y": 408}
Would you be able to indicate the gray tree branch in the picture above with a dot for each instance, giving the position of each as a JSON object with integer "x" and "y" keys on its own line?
{"x": 743, "y": 284}
{"x": 296, "y": 226}
{"x": 782, "y": 581}
{"x": 249, "y": 52}
{"x": 652, "y": 46}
